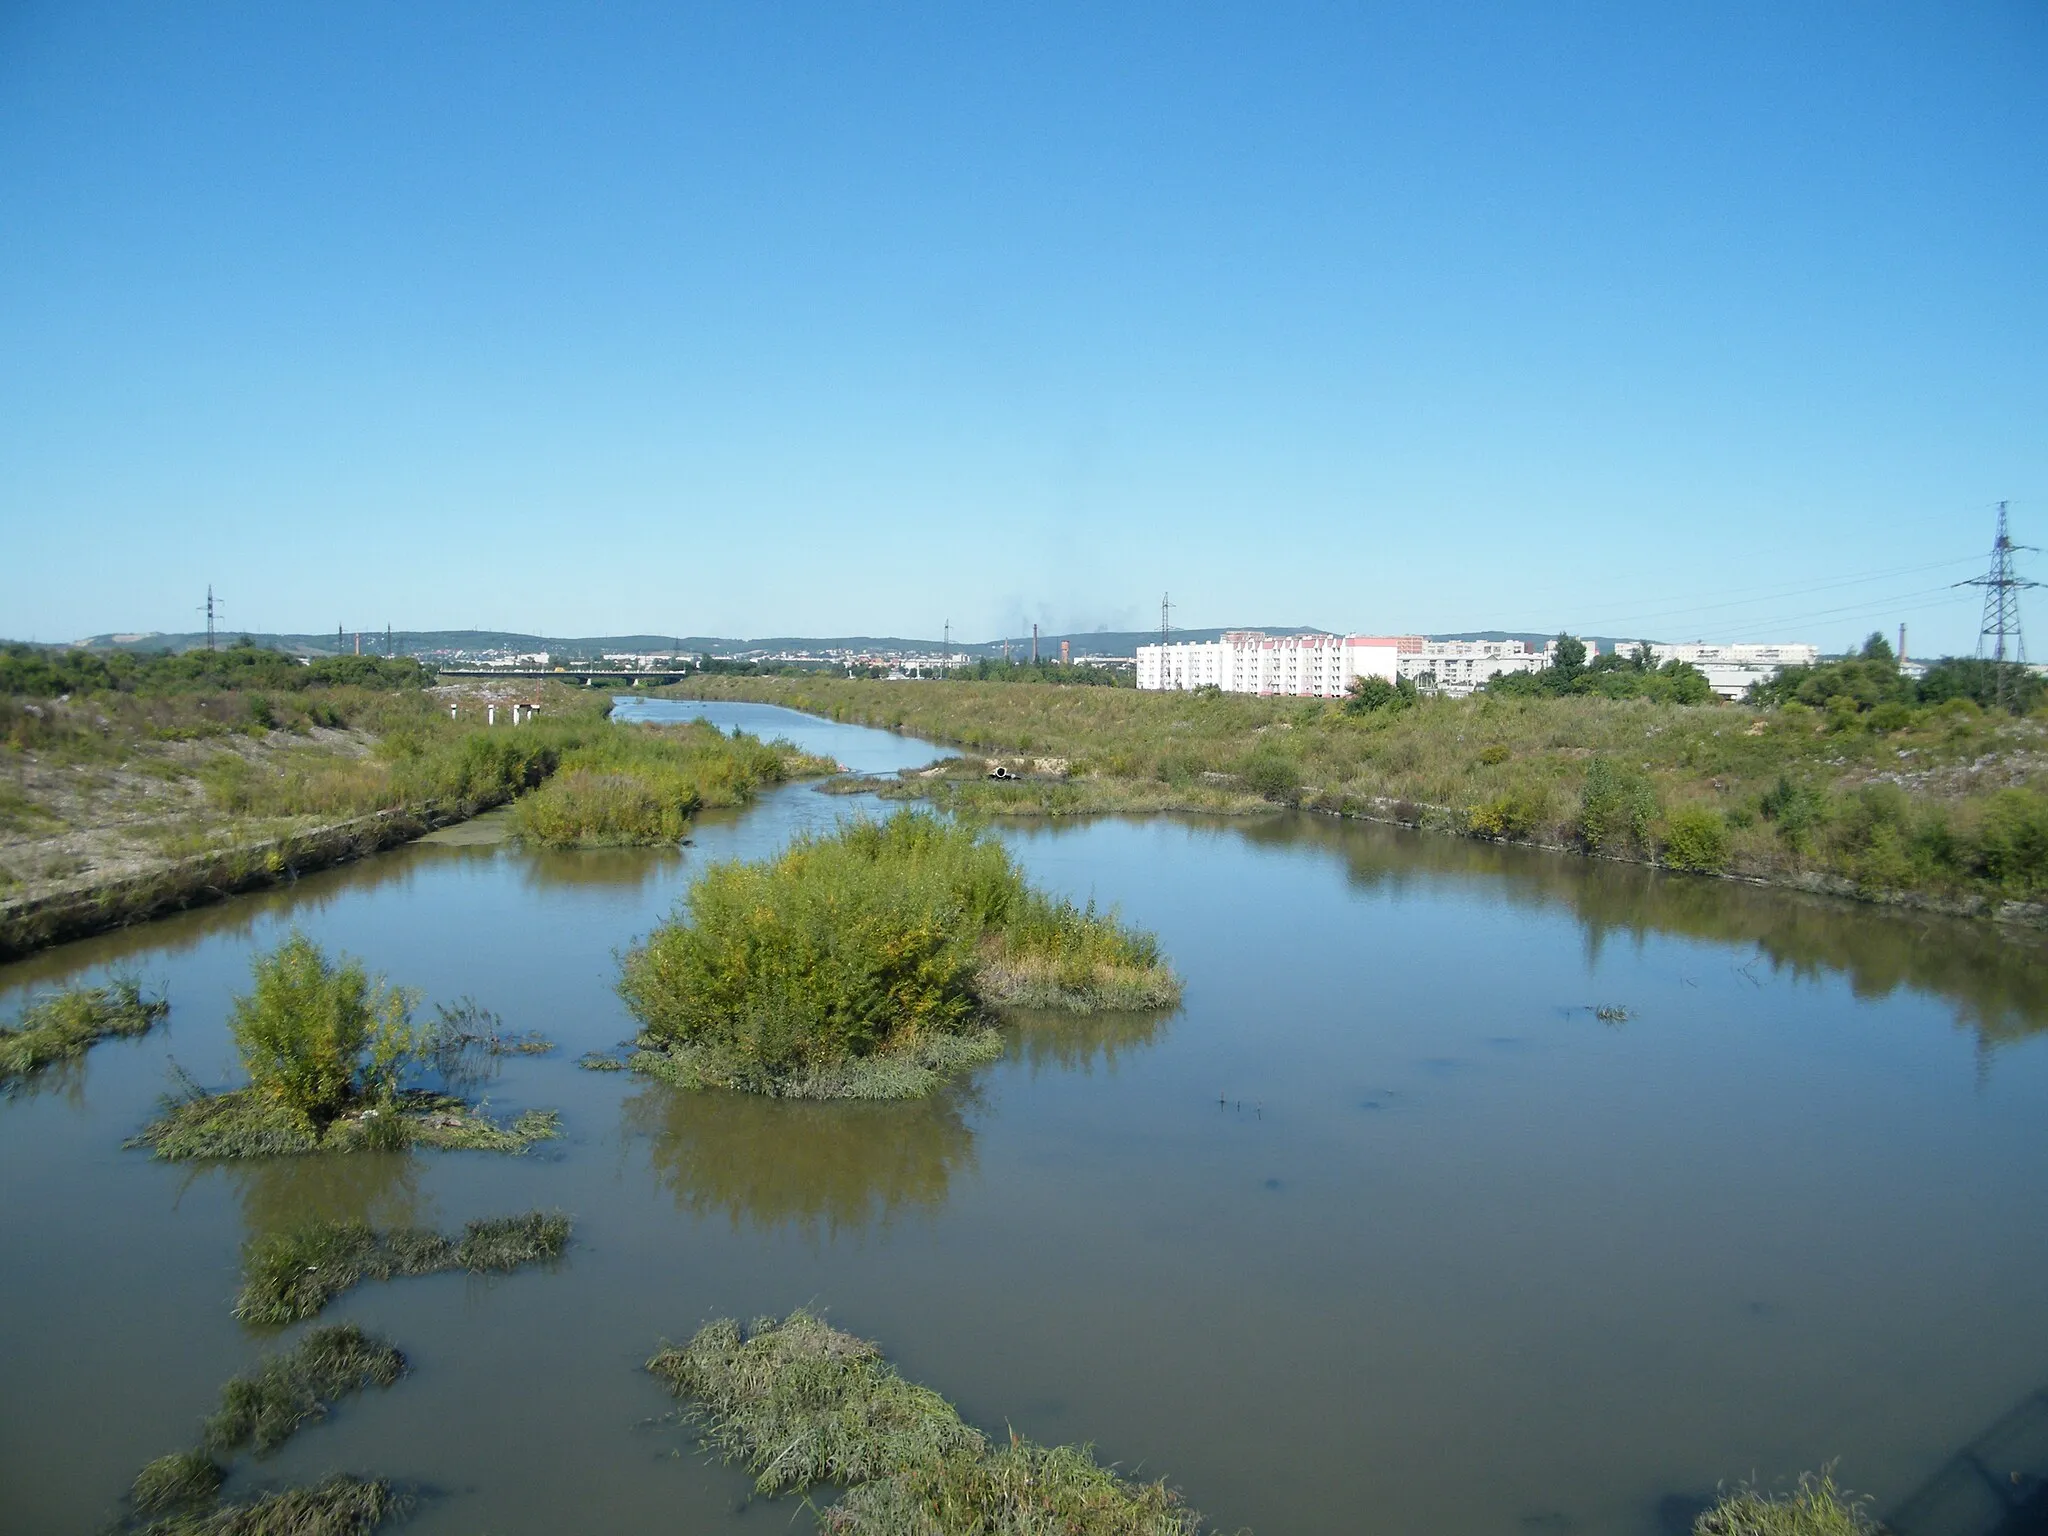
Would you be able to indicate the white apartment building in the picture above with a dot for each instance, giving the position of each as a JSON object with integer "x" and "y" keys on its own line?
{"x": 1459, "y": 667}
{"x": 1248, "y": 661}
{"x": 1730, "y": 669}
{"x": 1324, "y": 666}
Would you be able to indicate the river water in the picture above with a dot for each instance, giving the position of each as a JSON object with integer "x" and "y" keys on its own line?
{"x": 1384, "y": 1231}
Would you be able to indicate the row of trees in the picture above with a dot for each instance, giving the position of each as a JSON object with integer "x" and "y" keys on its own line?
{"x": 30, "y": 671}
{"x": 1870, "y": 681}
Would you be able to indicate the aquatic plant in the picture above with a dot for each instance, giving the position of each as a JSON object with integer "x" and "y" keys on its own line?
{"x": 290, "y": 1275}
{"x": 338, "y": 1506}
{"x": 177, "y": 1481}
{"x": 264, "y": 1409}
{"x": 798, "y": 1403}
{"x": 63, "y": 1026}
{"x": 861, "y": 964}
{"x": 1815, "y": 1508}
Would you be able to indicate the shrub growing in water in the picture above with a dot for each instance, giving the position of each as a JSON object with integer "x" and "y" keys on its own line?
{"x": 316, "y": 1036}
{"x": 824, "y": 971}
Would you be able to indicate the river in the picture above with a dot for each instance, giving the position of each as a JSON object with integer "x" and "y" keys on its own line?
{"x": 1386, "y": 1230}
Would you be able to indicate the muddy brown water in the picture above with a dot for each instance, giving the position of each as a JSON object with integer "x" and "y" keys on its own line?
{"x": 1385, "y": 1230}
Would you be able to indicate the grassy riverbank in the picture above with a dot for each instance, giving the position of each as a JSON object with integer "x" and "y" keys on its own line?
{"x": 183, "y": 783}
{"x": 1942, "y": 804}
{"x": 863, "y": 964}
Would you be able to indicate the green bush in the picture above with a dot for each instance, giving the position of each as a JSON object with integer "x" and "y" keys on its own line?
{"x": 1615, "y": 807}
{"x": 872, "y": 941}
{"x": 1516, "y": 815}
{"x": 1272, "y": 773}
{"x": 316, "y": 1036}
{"x": 1797, "y": 809}
{"x": 1697, "y": 839}
{"x": 2011, "y": 844}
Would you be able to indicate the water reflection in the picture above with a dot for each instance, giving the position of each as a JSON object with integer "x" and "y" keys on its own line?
{"x": 821, "y": 1168}
{"x": 1997, "y": 982}
{"x": 1077, "y": 1042}
{"x": 618, "y": 869}
{"x": 278, "y": 1194}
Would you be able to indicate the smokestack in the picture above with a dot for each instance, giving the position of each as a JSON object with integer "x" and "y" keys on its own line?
{"x": 1063, "y": 653}
{"x": 359, "y": 642}
{"x": 1034, "y": 645}
{"x": 1902, "y": 645}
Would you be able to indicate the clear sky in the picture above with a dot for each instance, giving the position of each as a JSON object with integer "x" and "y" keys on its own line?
{"x": 1715, "y": 321}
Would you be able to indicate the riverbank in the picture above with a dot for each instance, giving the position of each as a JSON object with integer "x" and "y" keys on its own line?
{"x": 116, "y": 808}
{"x": 1945, "y": 812}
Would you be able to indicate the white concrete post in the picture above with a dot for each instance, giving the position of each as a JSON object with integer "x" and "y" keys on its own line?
{"x": 492, "y": 716}
{"x": 451, "y": 711}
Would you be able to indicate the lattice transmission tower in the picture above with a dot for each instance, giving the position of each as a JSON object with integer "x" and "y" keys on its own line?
{"x": 2000, "y": 629}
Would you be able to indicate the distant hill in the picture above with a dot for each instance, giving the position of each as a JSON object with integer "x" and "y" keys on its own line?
{"x": 408, "y": 642}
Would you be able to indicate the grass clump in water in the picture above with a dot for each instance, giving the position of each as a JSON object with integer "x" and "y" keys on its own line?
{"x": 288, "y": 1276}
{"x": 798, "y": 1402}
{"x": 180, "y": 1480}
{"x": 64, "y": 1026}
{"x": 262, "y": 1410}
{"x": 1815, "y": 1508}
{"x": 863, "y": 963}
{"x": 339, "y": 1506}
{"x": 327, "y": 1048}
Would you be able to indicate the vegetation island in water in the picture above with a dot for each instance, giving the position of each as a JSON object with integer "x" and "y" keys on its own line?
{"x": 328, "y": 1049}
{"x": 867, "y": 964}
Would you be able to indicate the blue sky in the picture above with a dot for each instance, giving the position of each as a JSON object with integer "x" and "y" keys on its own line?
{"x": 1723, "y": 321}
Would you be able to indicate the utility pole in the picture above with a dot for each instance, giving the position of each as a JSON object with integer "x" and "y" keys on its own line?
{"x": 212, "y": 602}
{"x": 2001, "y": 624}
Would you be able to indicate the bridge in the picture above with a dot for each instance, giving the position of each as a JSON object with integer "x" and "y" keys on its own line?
{"x": 588, "y": 677}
